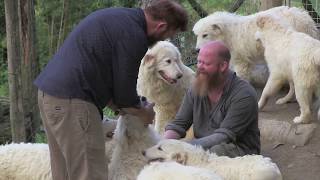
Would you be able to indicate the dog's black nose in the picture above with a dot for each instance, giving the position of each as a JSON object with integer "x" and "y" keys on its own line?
{"x": 143, "y": 153}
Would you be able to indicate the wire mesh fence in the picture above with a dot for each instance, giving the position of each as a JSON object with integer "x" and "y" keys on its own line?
{"x": 312, "y": 6}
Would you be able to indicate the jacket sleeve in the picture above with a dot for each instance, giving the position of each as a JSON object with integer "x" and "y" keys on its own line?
{"x": 126, "y": 61}
{"x": 184, "y": 117}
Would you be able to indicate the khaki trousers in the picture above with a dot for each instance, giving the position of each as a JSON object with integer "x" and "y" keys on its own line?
{"x": 76, "y": 142}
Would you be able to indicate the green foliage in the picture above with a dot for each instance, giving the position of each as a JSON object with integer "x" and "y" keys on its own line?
{"x": 108, "y": 113}
{"x": 41, "y": 137}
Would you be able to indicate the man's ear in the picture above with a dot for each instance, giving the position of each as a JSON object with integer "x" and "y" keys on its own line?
{"x": 162, "y": 26}
{"x": 180, "y": 158}
{"x": 224, "y": 66}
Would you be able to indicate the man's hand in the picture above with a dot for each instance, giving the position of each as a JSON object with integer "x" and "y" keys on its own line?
{"x": 145, "y": 112}
{"x": 171, "y": 134}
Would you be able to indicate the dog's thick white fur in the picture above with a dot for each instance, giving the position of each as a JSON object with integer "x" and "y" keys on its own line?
{"x": 25, "y": 161}
{"x": 237, "y": 32}
{"x": 291, "y": 56}
{"x": 163, "y": 79}
{"x": 31, "y": 161}
{"x": 131, "y": 138}
{"x": 249, "y": 167}
{"x": 175, "y": 171}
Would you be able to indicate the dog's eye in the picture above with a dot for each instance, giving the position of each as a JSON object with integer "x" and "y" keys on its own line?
{"x": 204, "y": 35}
{"x": 159, "y": 148}
{"x": 168, "y": 61}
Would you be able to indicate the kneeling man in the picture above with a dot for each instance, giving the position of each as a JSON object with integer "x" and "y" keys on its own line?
{"x": 222, "y": 107}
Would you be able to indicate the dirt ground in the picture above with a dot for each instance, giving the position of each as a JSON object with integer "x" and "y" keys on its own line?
{"x": 295, "y": 163}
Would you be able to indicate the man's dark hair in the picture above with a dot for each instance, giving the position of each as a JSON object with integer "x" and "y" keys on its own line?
{"x": 170, "y": 11}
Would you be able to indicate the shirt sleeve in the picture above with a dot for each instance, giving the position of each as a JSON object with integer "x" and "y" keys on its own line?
{"x": 183, "y": 119}
{"x": 127, "y": 58}
{"x": 242, "y": 112}
{"x": 209, "y": 141}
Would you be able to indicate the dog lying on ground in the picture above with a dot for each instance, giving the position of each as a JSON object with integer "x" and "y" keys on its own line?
{"x": 249, "y": 167}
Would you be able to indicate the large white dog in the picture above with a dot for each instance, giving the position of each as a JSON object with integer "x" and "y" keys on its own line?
{"x": 164, "y": 79}
{"x": 249, "y": 167}
{"x": 238, "y": 34}
{"x": 291, "y": 56}
{"x": 131, "y": 137}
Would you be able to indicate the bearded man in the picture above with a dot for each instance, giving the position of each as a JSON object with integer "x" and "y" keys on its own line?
{"x": 222, "y": 107}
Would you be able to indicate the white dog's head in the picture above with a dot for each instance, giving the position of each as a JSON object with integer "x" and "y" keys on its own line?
{"x": 174, "y": 150}
{"x": 164, "y": 58}
{"x": 211, "y": 28}
{"x": 270, "y": 24}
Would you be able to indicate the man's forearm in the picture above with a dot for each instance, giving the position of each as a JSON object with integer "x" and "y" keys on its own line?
{"x": 209, "y": 141}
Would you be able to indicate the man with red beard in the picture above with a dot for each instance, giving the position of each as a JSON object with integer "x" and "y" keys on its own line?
{"x": 222, "y": 107}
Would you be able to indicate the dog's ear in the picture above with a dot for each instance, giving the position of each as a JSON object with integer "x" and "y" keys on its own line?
{"x": 181, "y": 158}
{"x": 262, "y": 21}
{"x": 148, "y": 59}
{"x": 216, "y": 28}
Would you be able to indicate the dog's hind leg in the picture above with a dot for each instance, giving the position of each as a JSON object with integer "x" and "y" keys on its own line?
{"x": 289, "y": 96}
{"x": 273, "y": 85}
{"x": 304, "y": 98}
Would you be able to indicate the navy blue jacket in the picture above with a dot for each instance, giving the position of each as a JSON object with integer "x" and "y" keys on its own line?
{"x": 100, "y": 59}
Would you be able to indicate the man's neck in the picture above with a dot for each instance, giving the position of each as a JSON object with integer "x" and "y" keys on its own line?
{"x": 216, "y": 91}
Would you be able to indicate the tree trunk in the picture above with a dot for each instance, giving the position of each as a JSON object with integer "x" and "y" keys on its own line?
{"x": 5, "y": 131}
{"x": 29, "y": 68}
{"x": 14, "y": 71}
{"x": 267, "y": 4}
{"x": 51, "y": 37}
{"x": 63, "y": 22}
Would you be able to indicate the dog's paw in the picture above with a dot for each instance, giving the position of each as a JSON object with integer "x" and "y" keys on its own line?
{"x": 299, "y": 120}
{"x": 281, "y": 101}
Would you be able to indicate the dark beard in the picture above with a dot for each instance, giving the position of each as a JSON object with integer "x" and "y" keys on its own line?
{"x": 204, "y": 82}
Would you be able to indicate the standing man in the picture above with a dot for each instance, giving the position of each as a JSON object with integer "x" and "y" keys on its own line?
{"x": 222, "y": 108}
{"x": 97, "y": 65}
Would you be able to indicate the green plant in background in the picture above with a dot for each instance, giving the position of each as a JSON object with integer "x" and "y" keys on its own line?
{"x": 109, "y": 113}
{"x": 41, "y": 137}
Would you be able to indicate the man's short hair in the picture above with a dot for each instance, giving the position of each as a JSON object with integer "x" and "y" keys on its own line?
{"x": 224, "y": 55}
{"x": 170, "y": 11}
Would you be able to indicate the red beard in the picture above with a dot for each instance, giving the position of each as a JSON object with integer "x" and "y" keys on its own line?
{"x": 204, "y": 82}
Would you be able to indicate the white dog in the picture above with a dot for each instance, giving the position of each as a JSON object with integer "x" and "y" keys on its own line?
{"x": 291, "y": 56}
{"x": 175, "y": 171}
{"x": 131, "y": 137}
{"x": 237, "y": 32}
{"x": 249, "y": 167}
{"x": 163, "y": 79}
